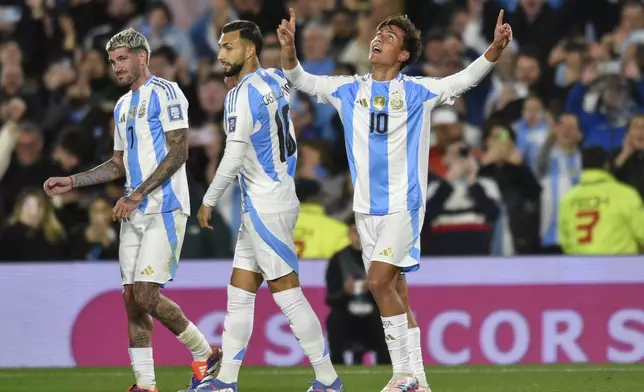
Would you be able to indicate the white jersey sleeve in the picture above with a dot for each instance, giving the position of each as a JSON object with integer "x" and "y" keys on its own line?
{"x": 239, "y": 118}
{"x": 449, "y": 88}
{"x": 322, "y": 87}
{"x": 173, "y": 109}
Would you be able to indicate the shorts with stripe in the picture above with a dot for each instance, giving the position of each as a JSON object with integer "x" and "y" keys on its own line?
{"x": 392, "y": 238}
{"x": 150, "y": 246}
{"x": 265, "y": 244}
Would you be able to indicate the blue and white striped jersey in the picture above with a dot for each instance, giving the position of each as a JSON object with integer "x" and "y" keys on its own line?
{"x": 386, "y": 129}
{"x": 141, "y": 119}
{"x": 256, "y": 112}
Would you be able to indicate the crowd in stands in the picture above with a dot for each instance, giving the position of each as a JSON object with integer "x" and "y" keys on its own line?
{"x": 502, "y": 156}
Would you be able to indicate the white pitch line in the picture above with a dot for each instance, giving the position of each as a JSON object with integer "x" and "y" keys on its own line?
{"x": 365, "y": 371}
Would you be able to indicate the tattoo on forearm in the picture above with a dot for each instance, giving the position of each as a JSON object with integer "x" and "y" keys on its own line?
{"x": 108, "y": 171}
{"x": 177, "y": 156}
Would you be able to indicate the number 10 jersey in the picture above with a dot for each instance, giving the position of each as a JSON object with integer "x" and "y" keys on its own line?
{"x": 386, "y": 130}
{"x": 256, "y": 112}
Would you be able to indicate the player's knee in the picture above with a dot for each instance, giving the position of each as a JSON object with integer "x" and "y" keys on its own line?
{"x": 145, "y": 293}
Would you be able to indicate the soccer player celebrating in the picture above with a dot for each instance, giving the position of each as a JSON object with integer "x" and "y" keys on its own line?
{"x": 150, "y": 149}
{"x": 386, "y": 121}
{"x": 261, "y": 150}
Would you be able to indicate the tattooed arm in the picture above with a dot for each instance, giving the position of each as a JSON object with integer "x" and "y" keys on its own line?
{"x": 177, "y": 156}
{"x": 108, "y": 171}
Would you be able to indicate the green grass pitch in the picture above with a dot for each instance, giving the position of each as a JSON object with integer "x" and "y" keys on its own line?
{"x": 556, "y": 378}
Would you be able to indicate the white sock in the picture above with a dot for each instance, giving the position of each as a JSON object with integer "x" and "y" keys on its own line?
{"x": 416, "y": 356}
{"x": 396, "y": 337}
{"x": 196, "y": 343}
{"x": 307, "y": 329}
{"x": 238, "y": 327}
{"x": 143, "y": 366}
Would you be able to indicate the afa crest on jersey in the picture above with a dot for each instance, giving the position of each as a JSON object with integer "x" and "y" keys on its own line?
{"x": 397, "y": 101}
{"x": 142, "y": 109}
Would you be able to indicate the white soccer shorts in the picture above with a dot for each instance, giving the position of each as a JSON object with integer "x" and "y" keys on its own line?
{"x": 150, "y": 246}
{"x": 265, "y": 244}
{"x": 392, "y": 238}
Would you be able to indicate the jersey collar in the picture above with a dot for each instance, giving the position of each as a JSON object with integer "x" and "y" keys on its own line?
{"x": 591, "y": 176}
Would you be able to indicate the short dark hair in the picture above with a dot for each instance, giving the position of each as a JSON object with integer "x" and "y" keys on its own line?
{"x": 412, "y": 40}
{"x": 594, "y": 158}
{"x": 247, "y": 30}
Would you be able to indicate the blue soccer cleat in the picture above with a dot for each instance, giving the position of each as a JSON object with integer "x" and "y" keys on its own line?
{"x": 317, "y": 386}
{"x": 404, "y": 384}
{"x": 201, "y": 370}
{"x": 213, "y": 385}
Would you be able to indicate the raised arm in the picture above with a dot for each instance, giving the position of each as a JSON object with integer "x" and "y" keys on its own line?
{"x": 451, "y": 87}
{"x": 320, "y": 86}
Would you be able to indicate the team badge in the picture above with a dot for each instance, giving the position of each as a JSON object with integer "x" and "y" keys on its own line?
{"x": 142, "y": 109}
{"x": 131, "y": 114}
{"x": 379, "y": 103}
{"x": 232, "y": 122}
{"x": 397, "y": 101}
{"x": 174, "y": 112}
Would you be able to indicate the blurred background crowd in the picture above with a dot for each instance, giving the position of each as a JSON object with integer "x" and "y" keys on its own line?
{"x": 573, "y": 78}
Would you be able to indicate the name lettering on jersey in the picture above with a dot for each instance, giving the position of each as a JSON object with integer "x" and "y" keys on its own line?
{"x": 142, "y": 109}
{"x": 174, "y": 112}
{"x": 232, "y": 121}
{"x": 589, "y": 203}
{"x": 131, "y": 114}
{"x": 274, "y": 96}
{"x": 379, "y": 102}
{"x": 397, "y": 101}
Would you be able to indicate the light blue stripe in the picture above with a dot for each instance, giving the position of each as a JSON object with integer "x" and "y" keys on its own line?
{"x": 247, "y": 204}
{"x": 283, "y": 251}
{"x": 117, "y": 113}
{"x": 133, "y": 163}
{"x": 281, "y": 102}
{"x": 415, "y": 95}
{"x": 170, "y": 200}
{"x": 262, "y": 141}
{"x": 550, "y": 238}
{"x": 240, "y": 355}
{"x": 347, "y": 95}
{"x": 173, "y": 240}
{"x": 379, "y": 154}
{"x": 415, "y": 230}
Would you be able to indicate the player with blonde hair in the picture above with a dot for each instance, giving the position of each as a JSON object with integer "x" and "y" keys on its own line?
{"x": 150, "y": 150}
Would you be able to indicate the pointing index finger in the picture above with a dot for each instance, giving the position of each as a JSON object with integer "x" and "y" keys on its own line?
{"x": 499, "y": 21}
{"x": 292, "y": 19}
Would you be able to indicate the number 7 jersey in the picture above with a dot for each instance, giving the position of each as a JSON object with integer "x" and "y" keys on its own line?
{"x": 256, "y": 112}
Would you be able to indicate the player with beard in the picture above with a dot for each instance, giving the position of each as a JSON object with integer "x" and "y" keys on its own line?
{"x": 385, "y": 116}
{"x": 261, "y": 152}
{"x": 150, "y": 149}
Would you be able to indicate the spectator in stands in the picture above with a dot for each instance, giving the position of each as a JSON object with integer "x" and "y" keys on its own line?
{"x": 447, "y": 130}
{"x": 601, "y": 216}
{"x": 604, "y": 109}
{"x": 317, "y": 236}
{"x": 99, "y": 239}
{"x": 33, "y": 232}
{"x": 356, "y": 52}
{"x": 461, "y": 209}
{"x": 12, "y": 86}
{"x": 271, "y": 56}
{"x": 207, "y": 28}
{"x": 629, "y": 163}
{"x": 318, "y": 61}
{"x": 212, "y": 92}
{"x": 27, "y": 164}
{"x": 343, "y": 25}
{"x": 559, "y": 169}
{"x": 536, "y": 24}
{"x": 520, "y": 189}
{"x": 353, "y": 323}
{"x": 532, "y": 130}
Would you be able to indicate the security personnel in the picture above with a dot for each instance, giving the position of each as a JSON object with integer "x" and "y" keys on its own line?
{"x": 600, "y": 216}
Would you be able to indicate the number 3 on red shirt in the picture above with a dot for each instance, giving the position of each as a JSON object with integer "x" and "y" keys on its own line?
{"x": 588, "y": 226}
